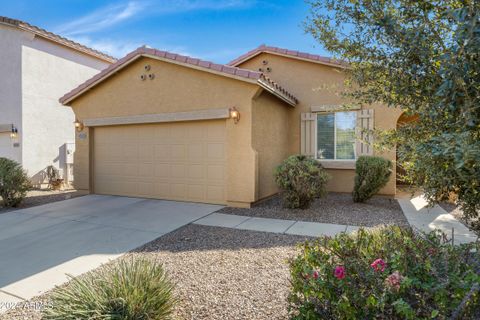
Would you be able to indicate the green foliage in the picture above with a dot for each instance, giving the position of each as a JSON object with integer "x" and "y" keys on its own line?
{"x": 371, "y": 174}
{"x": 14, "y": 183}
{"x": 302, "y": 180}
{"x": 421, "y": 56}
{"x": 129, "y": 289}
{"x": 389, "y": 273}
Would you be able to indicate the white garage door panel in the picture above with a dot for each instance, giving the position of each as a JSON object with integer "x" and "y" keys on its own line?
{"x": 176, "y": 161}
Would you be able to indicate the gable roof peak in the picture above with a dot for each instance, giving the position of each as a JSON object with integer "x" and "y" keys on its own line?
{"x": 221, "y": 69}
{"x": 25, "y": 26}
{"x": 263, "y": 48}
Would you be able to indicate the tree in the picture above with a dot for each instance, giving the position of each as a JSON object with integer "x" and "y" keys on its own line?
{"x": 421, "y": 56}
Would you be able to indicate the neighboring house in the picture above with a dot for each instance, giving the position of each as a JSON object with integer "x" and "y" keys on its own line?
{"x": 36, "y": 68}
{"x": 162, "y": 125}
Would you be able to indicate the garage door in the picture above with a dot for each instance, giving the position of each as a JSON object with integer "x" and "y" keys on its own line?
{"x": 175, "y": 161}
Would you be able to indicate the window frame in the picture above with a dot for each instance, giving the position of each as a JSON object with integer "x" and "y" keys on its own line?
{"x": 347, "y": 161}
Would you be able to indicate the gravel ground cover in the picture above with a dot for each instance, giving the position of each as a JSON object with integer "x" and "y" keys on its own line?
{"x": 337, "y": 208}
{"x": 219, "y": 273}
{"x": 39, "y": 197}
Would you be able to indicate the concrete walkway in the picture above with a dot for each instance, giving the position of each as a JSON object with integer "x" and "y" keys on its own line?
{"x": 427, "y": 219}
{"x": 40, "y": 245}
{"x": 416, "y": 211}
{"x": 302, "y": 228}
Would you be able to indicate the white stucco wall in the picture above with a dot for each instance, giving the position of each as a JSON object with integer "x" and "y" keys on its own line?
{"x": 48, "y": 72}
{"x": 34, "y": 74}
{"x": 10, "y": 88}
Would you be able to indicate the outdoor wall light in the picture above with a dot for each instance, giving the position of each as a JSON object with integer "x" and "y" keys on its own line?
{"x": 14, "y": 132}
{"x": 78, "y": 125}
{"x": 234, "y": 114}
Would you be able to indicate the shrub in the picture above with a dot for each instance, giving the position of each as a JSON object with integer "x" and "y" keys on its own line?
{"x": 371, "y": 174}
{"x": 128, "y": 289}
{"x": 386, "y": 273}
{"x": 54, "y": 180}
{"x": 14, "y": 183}
{"x": 301, "y": 179}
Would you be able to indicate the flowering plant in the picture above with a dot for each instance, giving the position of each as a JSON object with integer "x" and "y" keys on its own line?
{"x": 385, "y": 273}
{"x": 378, "y": 265}
{"x": 339, "y": 272}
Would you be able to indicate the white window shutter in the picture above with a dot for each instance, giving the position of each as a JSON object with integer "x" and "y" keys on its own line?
{"x": 307, "y": 134}
{"x": 364, "y": 143}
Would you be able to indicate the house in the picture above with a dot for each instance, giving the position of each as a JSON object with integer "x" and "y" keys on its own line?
{"x": 36, "y": 68}
{"x": 162, "y": 125}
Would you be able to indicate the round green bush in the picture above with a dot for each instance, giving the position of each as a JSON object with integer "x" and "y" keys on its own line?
{"x": 128, "y": 289}
{"x": 371, "y": 174}
{"x": 385, "y": 273}
{"x": 302, "y": 180}
{"x": 14, "y": 183}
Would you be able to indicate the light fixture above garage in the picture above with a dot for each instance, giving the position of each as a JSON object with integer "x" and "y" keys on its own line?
{"x": 14, "y": 133}
{"x": 78, "y": 125}
{"x": 234, "y": 114}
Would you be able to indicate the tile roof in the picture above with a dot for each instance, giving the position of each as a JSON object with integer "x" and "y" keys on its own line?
{"x": 241, "y": 74}
{"x": 56, "y": 38}
{"x": 285, "y": 52}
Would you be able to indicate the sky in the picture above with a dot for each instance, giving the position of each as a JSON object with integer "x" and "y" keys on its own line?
{"x": 213, "y": 30}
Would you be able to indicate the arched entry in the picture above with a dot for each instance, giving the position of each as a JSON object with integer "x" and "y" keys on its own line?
{"x": 402, "y": 120}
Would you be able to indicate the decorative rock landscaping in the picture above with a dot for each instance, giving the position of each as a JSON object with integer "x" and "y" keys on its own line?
{"x": 335, "y": 208}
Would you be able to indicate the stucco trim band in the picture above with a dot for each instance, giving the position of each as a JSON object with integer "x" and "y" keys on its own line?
{"x": 207, "y": 114}
{"x": 338, "y": 164}
{"x": 334, "y": 107}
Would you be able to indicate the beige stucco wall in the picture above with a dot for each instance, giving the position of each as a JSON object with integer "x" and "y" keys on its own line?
{"x": 316, "y": 84}
{"x": 271, "y": 130}
{"x": 174, "y": 89}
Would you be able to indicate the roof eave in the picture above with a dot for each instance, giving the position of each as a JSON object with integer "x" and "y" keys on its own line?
{"x": 66, "y": 44}
{"x": 55, "y": 38}
{"x": 290, "y": 101}
{"x": 239, "y": 61}
{"x": 66, "y": 100}
{"x": 223, "y": 74}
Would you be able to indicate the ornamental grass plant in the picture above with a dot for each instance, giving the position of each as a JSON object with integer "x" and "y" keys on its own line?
{"x": 130, "y": 289}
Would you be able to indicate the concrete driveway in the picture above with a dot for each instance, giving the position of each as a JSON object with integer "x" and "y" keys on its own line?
{"x": 40, "y": 245}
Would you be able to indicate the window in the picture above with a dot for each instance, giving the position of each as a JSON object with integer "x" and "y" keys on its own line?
{"x": 336, "y": 135}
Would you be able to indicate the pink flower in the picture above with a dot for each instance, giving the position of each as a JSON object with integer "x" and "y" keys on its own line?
{"x": 339, "y": 272}
{"x": 393, "y": 281}
{"x": 315, "y": 274}
{"x": 378, "y": 265}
